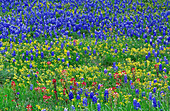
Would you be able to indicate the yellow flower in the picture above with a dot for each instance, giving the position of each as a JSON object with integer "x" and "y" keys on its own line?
{"x": 38, "y": 106}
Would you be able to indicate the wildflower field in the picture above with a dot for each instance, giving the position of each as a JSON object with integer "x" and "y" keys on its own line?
{"x": 84, "y": 55}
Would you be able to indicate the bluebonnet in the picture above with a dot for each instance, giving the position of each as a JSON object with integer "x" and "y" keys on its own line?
{"x": 77, "y": 58}
{"x": 105, "y": 71}
{"x": 155, "y": 80}
{"x": 94, "y": 99}
{"x": 72, "y": 107}
{"x": 31, "y": 87}
{"x": 91, "y": 95}
{"x": 125, "y": 78}
{"x": 78, "y": 97}
{"x": 106, "y": 95}
{"x": 98, "y": 107}
{"x": 30, "y": 65}
{"x": 71, "y": 87}
{"x": 160, "y": 67}
{"x": 63, "y": 60}
{"x": 32, "y": 57}
{"x": 159, "y": 104}
{"x": 154, "y": 90}
{"x": 52, "y": 53}
{"x": 135, "y": 104}
{"x": 154, "y": 102}
{"x": 137, "y": 91}
{"x": 71, "y": 96}
{"x": 42, "y": 55}
{"x": 84, "y": 101}
{"x": 143, "y": 94}
{"x": 150, "y": 96}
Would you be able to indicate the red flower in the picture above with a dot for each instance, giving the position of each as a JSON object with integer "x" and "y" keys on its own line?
{"x": 37, "y": 72}
{"x": 116, "y": 75}
{"x": 46, "y": 97}
{"x": 156, "y": 66}
{"x": 43, "y": 89}
{"x": 48, "y": 62}
{"x": 61, "y": 80}
{"x": 138, "y": 80}
{"x": 94, "y": 83}
{"x": 123, "y": 72}
{"x": 64, "y": 72}
{"x": 117, "y": 84}
{"x": 5, "y": 95}
{"x": 75, "y": 83}
{"x": 133, "y": 69}
{"x": 36, "y": 89}
{"x": 54, "y": 81}
{"x": 83, "y": 83}
{"x": 165, "y": 77}
{"x": 75, "y": 41}
{"x": 113, "y": 88}
{"x": 72, "y": 79}
{"x": 55, "y": 92}
{"x": 29, "y": 107}
{"x": 13, "y": 84}
{"x": 13, "y": 100}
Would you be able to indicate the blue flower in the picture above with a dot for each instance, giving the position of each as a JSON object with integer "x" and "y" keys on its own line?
{"x": 42, "y": 55}
{"x": 154, "y": 102}
{"x": 105, "y": 71}
{"x": 106, "y": 94}
{"x": 125, "y": 78}
{"x": 150, "y": 96}
{"x": 91, "y": 95}
{"x": 135, "y": 104}
{"x": 78, "y": 97}
{"x": 159, "y": 104}
{"x": 98, "y": 107}
{"x": 72, "y": 107}
{"x": 94, "y": 99}
{"x": 137, "y": 91}
{"x": 31, "y": 87}
{"x": 160, "y": 67}
{"x": 70, "y": 95}
{"x": 143, "y": 94}
{"x": 154, "y": 90}
{"x": 84, "y": 101}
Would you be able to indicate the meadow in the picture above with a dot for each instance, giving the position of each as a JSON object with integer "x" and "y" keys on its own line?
{"x": 84, "y": 55}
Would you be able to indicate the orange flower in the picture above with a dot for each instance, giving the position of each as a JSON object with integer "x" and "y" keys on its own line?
{"x": 110, "y": 29}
